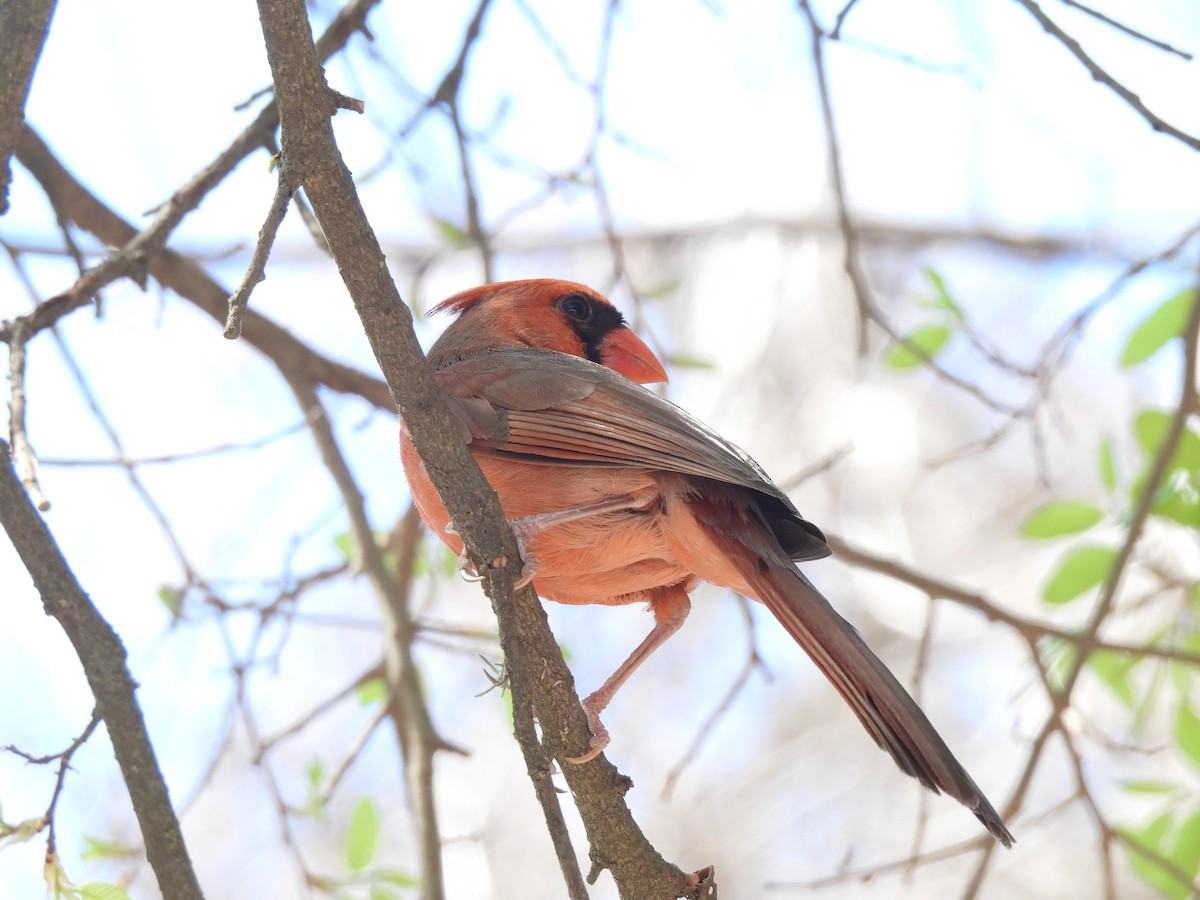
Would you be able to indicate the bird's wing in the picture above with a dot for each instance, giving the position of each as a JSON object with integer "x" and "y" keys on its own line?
{"x": 554, "y": 408}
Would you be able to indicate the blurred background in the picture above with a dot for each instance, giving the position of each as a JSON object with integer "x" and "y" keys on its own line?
{"x": 1007, "y": 212}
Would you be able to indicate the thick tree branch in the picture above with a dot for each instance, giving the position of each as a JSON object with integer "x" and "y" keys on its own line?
{"x": 103, "y": 658}
{"x": 311, "y": 155}
{"x": 23, "y": 28}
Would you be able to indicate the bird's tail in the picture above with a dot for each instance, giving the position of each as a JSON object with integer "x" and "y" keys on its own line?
{"x": 881, "y": 703}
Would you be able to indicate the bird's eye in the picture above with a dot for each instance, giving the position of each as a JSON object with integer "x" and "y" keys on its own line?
{"x": 577, "y": 308}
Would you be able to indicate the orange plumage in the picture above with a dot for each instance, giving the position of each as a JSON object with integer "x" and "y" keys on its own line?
{"x": 622, "y": 497}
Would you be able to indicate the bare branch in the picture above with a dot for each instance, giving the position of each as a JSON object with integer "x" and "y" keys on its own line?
{"x": 256, "y": 272}
{"x": 103, "y": 658}
{"x": 64, "y": 763}
{"x": 418, "y": 739}
{"x": 1096, "y": 14}
{"x": 868, "y": 310}
{"x": 309, "y": 148}
{"x": 23, "y": 28}
{"x": 23, "y": 456}
{"x": 1100, "y": 75}
{"x": 185, "y": 278}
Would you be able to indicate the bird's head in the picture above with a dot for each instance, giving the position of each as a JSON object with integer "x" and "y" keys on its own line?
{"x": 545, "y": 314}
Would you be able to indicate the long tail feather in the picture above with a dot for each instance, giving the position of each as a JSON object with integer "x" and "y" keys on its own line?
{"x": 881, "y": 703}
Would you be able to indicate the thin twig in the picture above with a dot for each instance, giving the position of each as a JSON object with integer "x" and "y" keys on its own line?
{"x": 1027, "y": 628}
{"x": 23, "y": 456}
{"x": 1100, "y": 75}
{"x": 418, "y": 740}
{"x": 256, "y": 272}
{"x": 868, "y": 310}
{"x": 753, "y": 663}
{"x": 73, "y": 201}
{"x": 64, "y": 763}
{"x": 179, "y": 456}
{"x": 850, "y": 261}
{"x": 1133, "y": 33}
{"x": 838, "y": 22}
{"x": 1089, "y": 639}
{"x": 103, "y": 658}
{"x": 135, "y": 480}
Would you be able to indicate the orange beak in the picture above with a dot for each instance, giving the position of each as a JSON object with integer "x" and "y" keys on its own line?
{"x": 626, "y": 353}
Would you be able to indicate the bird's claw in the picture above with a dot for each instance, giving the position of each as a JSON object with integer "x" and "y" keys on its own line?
{"x": 600, "y": 738}
{"x": 522, "y": 533}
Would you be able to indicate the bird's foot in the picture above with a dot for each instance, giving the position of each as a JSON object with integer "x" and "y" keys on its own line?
{"x": 523, "y": 531}
{"x": 466, "y": 568}
{"x": 592, "y": 705}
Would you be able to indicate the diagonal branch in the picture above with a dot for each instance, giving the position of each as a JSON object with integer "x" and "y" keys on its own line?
{"x": 141, "y": 248}
{"x": 1100, "y": 75}
{"x": 1108, "y": 596}
{"x": 103, "y": 657}
{"x": 538, "y": 674}
{"x": 23, "y": 28}
{"x": 76, "y": 203}
{"x": 1125, "y": 29}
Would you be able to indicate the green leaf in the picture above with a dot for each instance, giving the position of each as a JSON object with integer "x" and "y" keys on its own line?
{"x": 1148, "y": 787}
{"x": 941, "y": 298}
{"x": 1166, "y": 322}
{"x": 362, "y": 835}
{"x": 398, "y": 877}
{"x": 371, "y": 691}
{"x": 382, "y": 892}
{"x": 315, "y": 772}
{"x": 172, "y": 599}
{"x": 1187, "y": 732}
{"x": 928, "y": 340}
{"x": 1150, "y": 427}
{"x": 1061, "y": 517}
{"x": 102, "y": 848}
{"x": 1179, "y": 499}
{"x": 314, "y": 804}
{"x": 1058, "y": 656}
{"x": 345, "y": 543}
{"x": 662, "y": 289}
{"x": 1107, "y": 465}
{"x": 20, "y": 832}
{"x": 1153, "y": 838}
{"x": 1185, "y": 852}
{"x": 97, "y": 890}
{"x": 1113, "y": 669}
{"x": 450, "y": 233}
{"x": 685, "y": 361}
{"x": 1078, "y": 573}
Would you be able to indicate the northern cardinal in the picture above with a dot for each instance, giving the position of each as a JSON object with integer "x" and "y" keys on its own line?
{"x": 622, "y": 497}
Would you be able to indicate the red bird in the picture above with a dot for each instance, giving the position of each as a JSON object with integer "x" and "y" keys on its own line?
{"x": 622, "y": 497}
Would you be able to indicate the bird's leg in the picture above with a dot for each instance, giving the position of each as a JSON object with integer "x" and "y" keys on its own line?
{"x": 526, "y": 527}
{"x": 670, "y": 609}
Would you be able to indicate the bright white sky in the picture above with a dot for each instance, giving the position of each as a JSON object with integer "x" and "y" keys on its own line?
{"x": 136, "y": 97}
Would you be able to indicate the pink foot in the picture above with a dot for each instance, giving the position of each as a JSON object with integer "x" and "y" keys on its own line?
{"x": 600, "y": 739}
